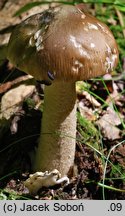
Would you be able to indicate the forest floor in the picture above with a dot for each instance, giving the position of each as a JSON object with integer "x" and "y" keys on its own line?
{"x": 99, "y": 171}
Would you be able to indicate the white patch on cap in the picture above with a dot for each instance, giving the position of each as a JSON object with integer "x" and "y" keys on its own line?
{"x": 110, "y": 62}
{"x": 104, "y": 29}
{"x": 114, "y": 51}
{"x": 78, "y": 63}
{"x": 108, "y": 49}
{"x": 41, "y": 47}
{"x": 32, "y": 42}
{"x": 92, "y": 26}
{"x": 37, "y": 34}
{"x": 46, "y": 27}
{"x": 76, "y": 66}
{"x": 83, "y": 16}
{"x": 36, "y": 40}
{"x": 86, "y": 29}
{"x": 92, "y": 45}
{"x": 39, "y": 41}
{"x": 79, "y": 47}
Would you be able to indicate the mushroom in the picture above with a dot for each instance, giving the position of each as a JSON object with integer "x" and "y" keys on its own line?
{"x": 44, "y": 179}
{"x": 61, "y": 45}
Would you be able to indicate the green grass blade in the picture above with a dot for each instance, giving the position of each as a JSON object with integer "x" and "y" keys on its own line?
{"x": 121, "y": 8}
{"x": 110, "y": 187}
{"x": 106, "y": 163}
{"x": 10, "y": 174}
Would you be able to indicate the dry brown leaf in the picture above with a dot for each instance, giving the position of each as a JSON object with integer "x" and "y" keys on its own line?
{"x": 86, "y": 112}
{"x": 6, "y": 86}
{"x": 108, "y": 123}
{"x": 91, "y": 99}
{"x": 114, "y": 96}
{"x": 112, "y": 21}
{"x": 11, "y": 100}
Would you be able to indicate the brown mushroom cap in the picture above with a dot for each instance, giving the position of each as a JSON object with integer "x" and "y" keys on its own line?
{"x": 67, "y": 42}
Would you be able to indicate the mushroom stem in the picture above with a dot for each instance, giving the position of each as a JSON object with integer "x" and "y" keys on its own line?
{"x": 56, "y": 148}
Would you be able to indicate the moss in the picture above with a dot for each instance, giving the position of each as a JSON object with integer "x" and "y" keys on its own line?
{"x": 88, "y": 131}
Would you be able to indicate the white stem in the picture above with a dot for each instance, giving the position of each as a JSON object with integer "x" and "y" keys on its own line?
{"x": 56, "y": 148}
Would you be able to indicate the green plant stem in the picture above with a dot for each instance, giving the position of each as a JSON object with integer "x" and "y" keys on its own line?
{"x": 106, "y": 163}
